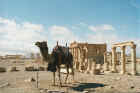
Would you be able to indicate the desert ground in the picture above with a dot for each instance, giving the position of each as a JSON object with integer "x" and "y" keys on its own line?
{"x": 20, "y": 81}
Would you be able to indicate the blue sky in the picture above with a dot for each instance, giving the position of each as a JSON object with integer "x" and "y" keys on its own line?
{"x": 93, "y": 21}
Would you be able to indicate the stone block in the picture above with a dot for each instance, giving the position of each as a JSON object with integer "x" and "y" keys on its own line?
{"x": 41, "y": 68}
{"x": 96, "y": 72}
{"x": 2, "y": 69}
{"x": 30, "y": 80}
{"x": 11, "y": 69}
{"x": 29, "y": 68}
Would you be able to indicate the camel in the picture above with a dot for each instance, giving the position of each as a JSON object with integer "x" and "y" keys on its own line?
{"x": 60, "y": 55}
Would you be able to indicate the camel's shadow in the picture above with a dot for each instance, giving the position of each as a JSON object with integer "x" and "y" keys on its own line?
{"x": 83, "y": 86}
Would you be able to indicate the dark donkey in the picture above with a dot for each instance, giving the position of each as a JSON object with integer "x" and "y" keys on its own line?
{"x": 60, "y": 55}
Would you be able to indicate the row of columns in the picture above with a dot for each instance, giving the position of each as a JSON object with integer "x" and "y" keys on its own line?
{"x": 76, "y": 52}
{"x": 75, "y": 56}
{"x": 123, "y": 65}
{"x": 78, "y": 58}
{"x": 80, "y": 55}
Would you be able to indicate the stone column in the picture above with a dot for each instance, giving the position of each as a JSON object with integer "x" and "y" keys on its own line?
{"x": 74, "y": 56}
{"x": 77, "y": 54}
{"x": 74, "y": 52}
{"x": 110, "y": 59}
{"x": 114, "y": 59}
{"x": 133, "y": 58}
{"x": 123, "y": 69}
{"x": 78, "y": 61}
{"x": 93, "y": 68}
{"x": 89, "y": 66}
{"x": 82, "y": 61}
{"x": 106, "y": 64}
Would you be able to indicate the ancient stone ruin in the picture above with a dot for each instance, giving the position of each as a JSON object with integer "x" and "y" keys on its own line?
{"x": 122, "y": 57}
{"x": 86, "y": 54}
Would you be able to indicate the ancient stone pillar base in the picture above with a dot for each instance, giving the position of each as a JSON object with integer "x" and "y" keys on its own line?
{"x": 99, "y": 66}
{"x": 122, "y": 72}
{"x": 87, "y": 72}
{"x": 88, "y": 67}
{"x": 134, "y": 72}
{"x": 106, "y": 66}
{"x": 114, "y": 71}
{"x": 93, "y": 69}
{"x": 77, "y": 65}
{"x": 81, "y": 68}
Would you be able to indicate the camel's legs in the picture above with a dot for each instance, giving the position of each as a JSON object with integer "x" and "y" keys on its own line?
{"x": 73, "y": 73}
{"x": 59, "y": 77}
{"x": 67, "y": 75}
{"x": 54, "y": 78}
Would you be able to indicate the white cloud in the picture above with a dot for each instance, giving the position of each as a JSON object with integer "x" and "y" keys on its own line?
{"x": 101, "y": 38}
{"x": 112, "y": 38}
{"x": 34, "y": 27}
{"x": 62, "y": 34}
{"x": 104, "y": 27}
{"x": 19, "y": 38}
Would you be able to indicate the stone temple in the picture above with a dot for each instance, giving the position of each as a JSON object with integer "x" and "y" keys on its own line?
{"x": 83, "y": 53}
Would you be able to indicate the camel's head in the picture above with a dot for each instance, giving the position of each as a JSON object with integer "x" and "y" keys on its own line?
{"x": 38, "y": 44}
{"x": 43, "y": 49}
{"x": 41, "y": 44}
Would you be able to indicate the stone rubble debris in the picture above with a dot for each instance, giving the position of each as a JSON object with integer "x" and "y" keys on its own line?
{"x": 30, "y": 80}
{"x": 2, "y": 69}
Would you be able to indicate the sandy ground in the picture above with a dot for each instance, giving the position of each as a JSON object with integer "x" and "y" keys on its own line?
{"x": 16, "y": 82}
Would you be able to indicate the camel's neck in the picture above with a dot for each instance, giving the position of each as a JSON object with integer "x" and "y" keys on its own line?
{"x": 44, "y": 53}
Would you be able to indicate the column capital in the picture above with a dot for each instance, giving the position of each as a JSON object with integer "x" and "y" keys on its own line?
{"x": 105, "y": 53}
{"x": 133, "y": 46}
{"x": 113, "y": 48}
{"x": 122, "y": 47}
